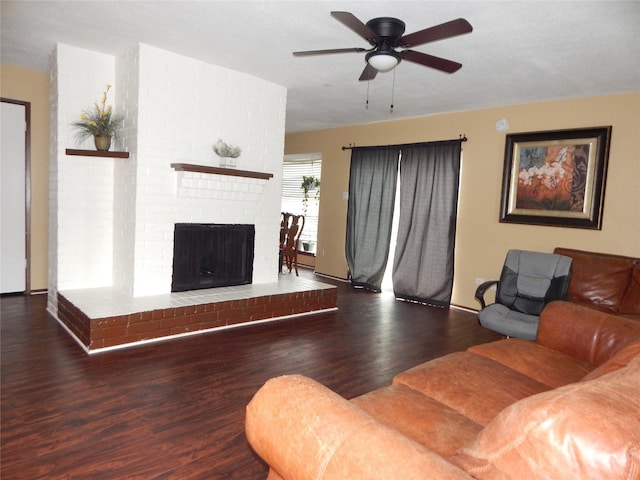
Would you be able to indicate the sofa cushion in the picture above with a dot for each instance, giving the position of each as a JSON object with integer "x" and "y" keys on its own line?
{"x": 556, "y": 434}
{"x": 618, "y": 361}
{"x": 599, "y": 279}
{"x": 543, "y": 364}
{"x": 631, "y": 301}
{"x": 475, "y": 386}
{"x": 421, "y": 418}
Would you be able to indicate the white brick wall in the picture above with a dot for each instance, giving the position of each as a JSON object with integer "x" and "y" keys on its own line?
{"x": 220, "y": 187}
{"x": 82, "y": 187}
{"x": 126, "y": 172}
{"x": 52, "y": 276}
{"x": 119, "y": 230}
{"x": 184, "y": 106}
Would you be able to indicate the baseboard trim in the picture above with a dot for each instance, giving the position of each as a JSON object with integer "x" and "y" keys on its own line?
{"x": 345, "y": 280}
{"x": 464, "y": 309}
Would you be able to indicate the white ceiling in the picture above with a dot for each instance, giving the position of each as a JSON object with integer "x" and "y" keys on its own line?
{"x": 519, "y": 51}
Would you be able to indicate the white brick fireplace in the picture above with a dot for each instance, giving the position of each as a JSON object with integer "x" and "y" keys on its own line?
{"x": 111, "y": 219}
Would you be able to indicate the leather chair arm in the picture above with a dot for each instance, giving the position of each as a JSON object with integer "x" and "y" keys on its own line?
{"x": 482, "y": 288}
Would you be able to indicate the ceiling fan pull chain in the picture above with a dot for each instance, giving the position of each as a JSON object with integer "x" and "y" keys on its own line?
{"x": 367, "y": 103}
{"x": 393, "y": 90}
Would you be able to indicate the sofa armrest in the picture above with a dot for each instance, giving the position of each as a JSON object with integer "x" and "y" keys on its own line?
{"x": 303, "y": 430}
{"x": 585, "y": 333}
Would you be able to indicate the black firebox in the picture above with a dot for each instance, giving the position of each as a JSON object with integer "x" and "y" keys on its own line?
{"x": 208, "y": 255}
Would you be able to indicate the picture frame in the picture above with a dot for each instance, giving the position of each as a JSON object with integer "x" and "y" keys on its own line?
{"x": 556, "y": 178}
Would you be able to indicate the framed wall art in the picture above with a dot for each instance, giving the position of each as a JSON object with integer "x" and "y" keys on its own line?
{"x": 555, "y": 178}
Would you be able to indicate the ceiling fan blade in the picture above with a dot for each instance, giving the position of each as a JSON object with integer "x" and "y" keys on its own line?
{"x": 349, "y": 20}
{"x": 369, "y": 73}
{"x": 324, "y": 52}
{"x": 439, "y": 32}
{"x": 438, "y": 63}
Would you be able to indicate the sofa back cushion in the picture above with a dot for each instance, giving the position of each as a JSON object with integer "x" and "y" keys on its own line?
{"x": 631, "y": 301}
{"x": 588, "y": 430}
{"x": 600, "y": 279}
{"x": 584, "y": 333}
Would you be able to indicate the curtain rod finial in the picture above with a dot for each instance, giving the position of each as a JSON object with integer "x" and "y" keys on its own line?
{"x": 463, "y": 137}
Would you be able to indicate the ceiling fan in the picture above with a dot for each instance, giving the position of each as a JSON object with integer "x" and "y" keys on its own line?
{"x": 385, "y": 34}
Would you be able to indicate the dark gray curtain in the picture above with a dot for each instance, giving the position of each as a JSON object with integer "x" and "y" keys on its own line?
{"x": 372, "y": 190}
{"x": 423, "y": 262}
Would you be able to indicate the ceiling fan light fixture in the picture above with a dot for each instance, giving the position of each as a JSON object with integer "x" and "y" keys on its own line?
{"x": 386, "y": 34}
{"x": 383, "y": 60}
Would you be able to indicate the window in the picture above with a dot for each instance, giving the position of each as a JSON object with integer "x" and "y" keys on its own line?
{"x": 295, "y": 167}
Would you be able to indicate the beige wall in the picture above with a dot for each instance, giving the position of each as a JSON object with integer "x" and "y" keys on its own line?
{"x": 33, "y": 86}
{"x": 482, "y": 241}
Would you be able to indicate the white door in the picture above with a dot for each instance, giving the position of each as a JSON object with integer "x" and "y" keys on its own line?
{"x": 13, "y": 257}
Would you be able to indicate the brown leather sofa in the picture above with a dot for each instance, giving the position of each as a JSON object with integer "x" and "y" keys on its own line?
{"x": 607, "y": 282}
{"x": 564, "y": 406}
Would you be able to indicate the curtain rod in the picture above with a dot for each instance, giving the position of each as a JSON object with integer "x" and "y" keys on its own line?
{"x": 463, "y": 138}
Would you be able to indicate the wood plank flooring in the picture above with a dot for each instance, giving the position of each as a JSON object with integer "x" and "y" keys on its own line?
{"x": 175, "y": 409}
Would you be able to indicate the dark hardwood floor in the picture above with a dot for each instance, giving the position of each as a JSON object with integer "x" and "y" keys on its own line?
{"x": 175, "y": 409}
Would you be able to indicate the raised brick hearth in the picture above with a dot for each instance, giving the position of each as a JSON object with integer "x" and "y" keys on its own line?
{"x": 102, "y": 319}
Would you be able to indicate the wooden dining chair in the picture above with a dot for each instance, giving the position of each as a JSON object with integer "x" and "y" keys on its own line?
{"x": 291, "y": 227}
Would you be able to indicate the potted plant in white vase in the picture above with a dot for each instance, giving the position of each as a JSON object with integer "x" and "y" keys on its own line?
{"x": 227, "y": 153}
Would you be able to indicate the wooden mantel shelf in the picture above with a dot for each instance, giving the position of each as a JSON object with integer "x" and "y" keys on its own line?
{"x": 96, "y": 153}
{"x": 188, "y": 167}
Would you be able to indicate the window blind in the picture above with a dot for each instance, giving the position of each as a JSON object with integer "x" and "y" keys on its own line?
{"x": 295, "y": 167}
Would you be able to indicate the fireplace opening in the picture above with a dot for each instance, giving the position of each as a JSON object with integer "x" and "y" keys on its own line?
{"x": 212, "y": 255}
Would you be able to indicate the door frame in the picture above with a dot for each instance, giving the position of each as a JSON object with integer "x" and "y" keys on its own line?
{"x": 27, "y": 184}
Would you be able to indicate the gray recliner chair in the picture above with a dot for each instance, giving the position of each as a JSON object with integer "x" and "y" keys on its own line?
{"x": 529, "y": 280}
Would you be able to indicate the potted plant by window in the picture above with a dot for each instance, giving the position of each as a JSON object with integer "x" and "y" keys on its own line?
{"x": 309, "y": 246}
{"x": 100, "y": 123}
{"x": 308, "y": 184}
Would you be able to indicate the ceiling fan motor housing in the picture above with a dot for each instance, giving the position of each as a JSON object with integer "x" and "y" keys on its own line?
{"x": 389, "y": 30}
